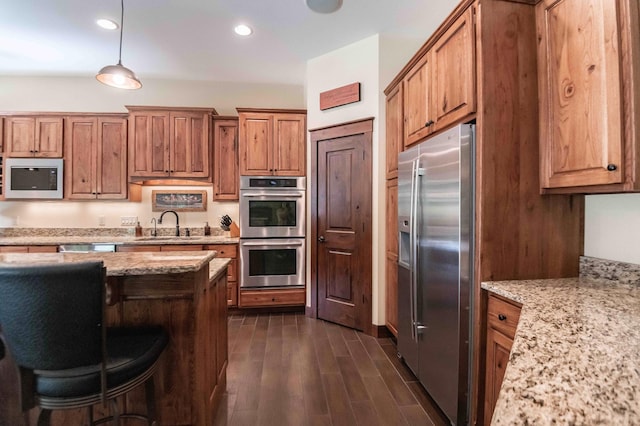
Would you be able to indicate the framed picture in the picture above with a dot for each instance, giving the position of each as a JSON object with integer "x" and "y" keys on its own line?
{"x": 180, "y": 201}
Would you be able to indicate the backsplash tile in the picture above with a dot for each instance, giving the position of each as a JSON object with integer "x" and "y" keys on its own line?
{"x": 621, "y": 272}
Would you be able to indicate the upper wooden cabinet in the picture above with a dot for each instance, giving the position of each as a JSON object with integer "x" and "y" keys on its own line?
{"x": 393, "y": 130}
{"x": 95, "y": 157}
{"x": 440, "y": 88}
{"x": 169, "y": 142}
{"x": 226, "y": 178}
{"x": 589, "y": 92}
{"x": 272, "y": 142}
{"x": 33, "y": 136}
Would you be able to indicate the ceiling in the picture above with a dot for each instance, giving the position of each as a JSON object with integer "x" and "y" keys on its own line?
{"x": 194, "y": 39}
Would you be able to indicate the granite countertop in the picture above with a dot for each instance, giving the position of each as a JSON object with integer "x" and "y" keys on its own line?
{"x": 576, "y": 353}
{"x": 120, "y": 264}
{"x": 118, "y": 240}
{"x": 216, "y": 265}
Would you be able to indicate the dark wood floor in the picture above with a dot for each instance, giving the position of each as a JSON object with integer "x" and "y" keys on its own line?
{"x": 288, "y": 369}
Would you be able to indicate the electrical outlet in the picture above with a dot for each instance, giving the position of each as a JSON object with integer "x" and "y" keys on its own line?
{"x": 128, "y": 220}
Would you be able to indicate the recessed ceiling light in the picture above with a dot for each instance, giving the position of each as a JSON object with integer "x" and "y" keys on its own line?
{"x": 107, "y": 24}
{"x": 243, "y": 30}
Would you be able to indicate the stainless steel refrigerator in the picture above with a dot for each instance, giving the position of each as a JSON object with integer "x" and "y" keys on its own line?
{"x": 435, "y": 265}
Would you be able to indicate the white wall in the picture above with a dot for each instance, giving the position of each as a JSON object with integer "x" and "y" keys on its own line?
{"x": 85, "y": 94}
{"x": 612, "y": 227}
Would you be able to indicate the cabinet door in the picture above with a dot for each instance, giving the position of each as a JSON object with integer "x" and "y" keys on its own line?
{"x": 226, "y": 178}
{"x": 256, "y": 133}
{"x": 392, "y": 216}
{"x": 20, "y": 136}
{"x": 112, "y": 159}
{"x": 394, "y": 131}
{"x": 289, "y": 142}
{"x": 418, "y": 117}
{"x": 581, "y": 131}
{"x": 498, "y": 349}
{"x": 149, "y": 144}
{"x": 48, "y": 141}
{"x": 189, "y": 142}
{"x": 81, "y": 134}
{"x": 453, "y": 73}
{"x": 391, "y": 303}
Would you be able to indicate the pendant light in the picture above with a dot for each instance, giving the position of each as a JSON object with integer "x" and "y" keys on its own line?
{"x": 118, "y": 75}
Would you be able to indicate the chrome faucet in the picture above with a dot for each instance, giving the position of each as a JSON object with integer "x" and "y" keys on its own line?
{"x": 154, "y": 233}
{"x": 177, "y": 220}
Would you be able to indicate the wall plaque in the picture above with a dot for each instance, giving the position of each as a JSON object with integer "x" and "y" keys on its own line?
{"x": 341, "y": 96}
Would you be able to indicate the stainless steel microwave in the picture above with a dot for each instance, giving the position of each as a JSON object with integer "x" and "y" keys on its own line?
{"x": 39, "y": 178}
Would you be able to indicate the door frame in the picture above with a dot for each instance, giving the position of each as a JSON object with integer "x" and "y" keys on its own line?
{"x": 350, "y": 128}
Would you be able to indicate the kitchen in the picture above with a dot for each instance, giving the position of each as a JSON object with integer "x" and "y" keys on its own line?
{"x": 610, "y": 220}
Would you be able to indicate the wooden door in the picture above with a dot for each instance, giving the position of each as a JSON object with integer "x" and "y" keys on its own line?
{"x": 226, "y": 178}
{"x": 189, "y": 144}
{"x": 453, "y": 73}
{"x": 341, "y": 214}
{"x": 581, "y": 130}
{"x": 289, "y": 142}
{"x": 148, "y": 144}
{"x": 394, "y": 130}
{"x": 418, "y": 117}
{"x": 48, "y": 141}
{"x": 80, "y": 149}
{"x": 256, "y": 136}
{"x": 111, "y": 158}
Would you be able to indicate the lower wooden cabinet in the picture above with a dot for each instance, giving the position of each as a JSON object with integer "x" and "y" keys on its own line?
{"x": 229, "y": 251}
{"x": 502, "y": 320}
{"x": 28, "y": 249}
{"x": 276, "y": 297}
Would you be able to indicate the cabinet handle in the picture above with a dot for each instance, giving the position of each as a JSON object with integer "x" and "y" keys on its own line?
{"x": 612, "y": 167}
{"x": 428, "y": 123}
{"x": 502, "y": 317}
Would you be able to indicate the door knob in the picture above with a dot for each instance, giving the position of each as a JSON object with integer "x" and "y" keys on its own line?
{"x": 321, "y": 239}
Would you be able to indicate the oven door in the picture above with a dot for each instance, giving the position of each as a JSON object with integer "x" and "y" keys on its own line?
{"x": 273, "y": 213}
{"x": 272, "y": 262}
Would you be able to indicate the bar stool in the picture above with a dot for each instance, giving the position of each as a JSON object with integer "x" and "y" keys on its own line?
{"x": 52, "y": 318}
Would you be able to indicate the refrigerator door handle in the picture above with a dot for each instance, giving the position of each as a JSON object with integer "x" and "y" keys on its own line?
{"x": 412, "y": 248}
{"x": 415, "y": 190}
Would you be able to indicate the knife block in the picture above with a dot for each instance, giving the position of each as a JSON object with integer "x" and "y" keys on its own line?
{"x": 234, "y": 231}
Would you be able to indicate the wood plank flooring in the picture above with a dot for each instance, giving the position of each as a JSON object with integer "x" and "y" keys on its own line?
{"x": 288, "y": 369}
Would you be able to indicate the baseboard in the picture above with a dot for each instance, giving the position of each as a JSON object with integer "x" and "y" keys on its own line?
{"x": 266, "y": 310}
{"x": 380, "y": 331}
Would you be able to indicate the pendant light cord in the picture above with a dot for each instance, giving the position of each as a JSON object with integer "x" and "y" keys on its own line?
{"x": 121, "y": 29}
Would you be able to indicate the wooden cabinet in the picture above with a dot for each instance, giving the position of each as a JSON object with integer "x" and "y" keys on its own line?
{"x": 453, "y": 88}
{"x": 169, "y": 142}
{"x": 228, "y": 251}
{"x": 33, "y": 136}
{"x": 95, "y": 157}
{"x": 28, "y": 249}
{"x": 394, "y": 130}
{"x": 226, "y": 178}
{"x": 418, "y": 117}
{"x": 279, "y": 297}
{"x": 391, "y": 267}
{"x": 589, "y": 80}
{"x": 440, "y": 88}
{"x": 272, "y": 142}
{"x": 502, "y": 320}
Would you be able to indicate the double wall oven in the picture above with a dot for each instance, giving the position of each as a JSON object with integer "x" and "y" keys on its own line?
{"x": 272, "y": 231}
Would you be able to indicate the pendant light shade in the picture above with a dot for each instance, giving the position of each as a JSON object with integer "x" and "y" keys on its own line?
{"x": 118, "y": 75}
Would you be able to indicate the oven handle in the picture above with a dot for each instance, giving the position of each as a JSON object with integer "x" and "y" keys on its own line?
{"x": 272, "y": 244}
{"x": 272, "y": 194}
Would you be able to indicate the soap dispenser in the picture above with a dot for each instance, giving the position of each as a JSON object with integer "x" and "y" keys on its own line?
{"x": 207, "y": 229}
{"x": 138, "y": 230}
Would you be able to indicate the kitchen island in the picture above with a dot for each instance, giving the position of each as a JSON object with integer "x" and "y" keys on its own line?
{"x": 574, "y": 358}
{"x": 185, "y": 292}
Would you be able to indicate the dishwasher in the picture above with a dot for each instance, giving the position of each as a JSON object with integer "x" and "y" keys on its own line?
{"x": 87, "y": 248}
